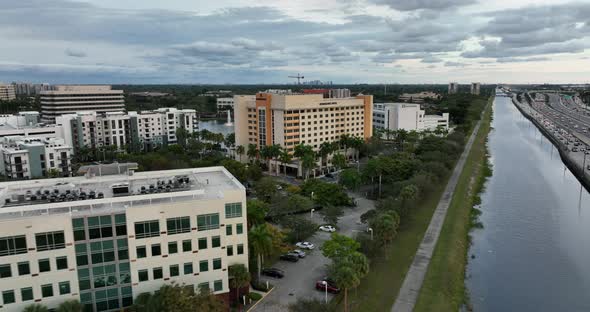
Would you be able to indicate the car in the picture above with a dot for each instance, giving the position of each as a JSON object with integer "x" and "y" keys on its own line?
{"x": 575, "y": 149}
{"x": 297, "y": 252}
{"x": 273, "y": 272}
{"x": 328, "y": 285}
{"x": 329, "y": 175}
{"x": 289, "y": 257}
{"x": 327, "y": 228}
{"x": 305, "y": 245}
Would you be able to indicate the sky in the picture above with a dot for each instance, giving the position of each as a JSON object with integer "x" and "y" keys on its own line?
{"x": 265, "y": 41}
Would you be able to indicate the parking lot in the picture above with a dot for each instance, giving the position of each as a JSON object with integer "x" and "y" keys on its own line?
{"x": 300, "y": 277}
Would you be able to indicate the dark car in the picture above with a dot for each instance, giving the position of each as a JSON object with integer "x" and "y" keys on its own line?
{"x": 289, "y": 257}
{"x": 273, "y": 272}
{"x": 330, "y": 285}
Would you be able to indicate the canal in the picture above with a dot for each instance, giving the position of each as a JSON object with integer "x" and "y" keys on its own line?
{"x": 533, "y": 253}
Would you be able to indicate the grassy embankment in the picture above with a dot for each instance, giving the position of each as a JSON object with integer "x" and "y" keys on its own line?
{"x": 444, "y": 287}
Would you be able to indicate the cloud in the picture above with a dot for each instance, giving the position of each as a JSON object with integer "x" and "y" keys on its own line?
{"x": 454, "y": 64}
{"x": 75, "y": 53}
{"x": 431, "y": 59}
{"x": 412, "y": 5}
{"x": 522, "y": 60}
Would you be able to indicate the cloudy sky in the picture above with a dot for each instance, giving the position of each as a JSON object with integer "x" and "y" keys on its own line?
{"x": 264, "y": 41}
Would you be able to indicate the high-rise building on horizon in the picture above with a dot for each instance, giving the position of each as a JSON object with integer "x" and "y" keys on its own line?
{"x": 7, "y": 92}
{"x": 69, "y": 99}
{"x": 453, "y": 87}
{"x": 475, "y": 88}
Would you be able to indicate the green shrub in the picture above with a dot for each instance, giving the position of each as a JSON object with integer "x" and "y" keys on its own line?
{"x": 254, "y": 296}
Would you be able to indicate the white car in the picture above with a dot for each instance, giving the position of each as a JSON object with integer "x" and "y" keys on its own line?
{"x": 327, "y": 228}
{"x": 298, "y": 253}
{"x": 305, "y": 245}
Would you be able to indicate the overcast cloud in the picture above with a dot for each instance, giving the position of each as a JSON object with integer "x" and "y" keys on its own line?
{"x": 232, "y": 41}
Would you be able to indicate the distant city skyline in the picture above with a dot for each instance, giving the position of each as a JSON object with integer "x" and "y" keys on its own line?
{"x": 346, "y": 41}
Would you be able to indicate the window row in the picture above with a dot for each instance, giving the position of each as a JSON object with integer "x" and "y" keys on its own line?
{"x": 230, "y": 249}
{"x": 173, "y": 247}
{"x": 24, "y": 268}
{"x": 174, "y": 270}
{"x": 14, "y": 245}
{"x": 26, "y": 294}
{"x": 104, "y": 276}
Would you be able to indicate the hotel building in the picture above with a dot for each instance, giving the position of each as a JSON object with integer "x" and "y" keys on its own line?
{"x": 105, "y": 240}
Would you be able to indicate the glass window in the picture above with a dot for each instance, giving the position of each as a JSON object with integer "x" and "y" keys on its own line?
{"x": 239, "y": 228}
{"x": 64, "y": 288}
{"x": 26, "y": 294}
{"x": 44, "y": 265}
{"x": 158, "y": 273}
{"x": 141, "y": 252}
{"x": 228, "y": 229}
{"x": 13, "y": 245}
{"x": 147, "y": 229}
{"x": 233, "y": 210}
{"x": 156, "y": 250}
{"x": 240, "y": 249}
{"x": 208, "y": 222}
{"x": 143, "y": 275}
{"x": 24, "y": 268}
{"x": 188, "y": 268}
{"x": 8, "y": 296}
{"x": 50, "y": 240}
{"x": 202, "y": 243}
{"x": 61, "y": 263}
{"x": 217, "y": 285}
{"x": 230, "y": 250}
{"x": 172, "y": 247}
{"x": 5, "y": 271}
{"x": 217, "y": 264}
{"x": 187, "y": 245}
{"x": 203, "y": 266}
{"x": 215, "y": 241}
{"x": 120, "y": 225}
{"x": 174, "y": 271}
{"x": 178, "y": 225}
{"x": 203, "y": 286}
{"x": 47, "y": 290}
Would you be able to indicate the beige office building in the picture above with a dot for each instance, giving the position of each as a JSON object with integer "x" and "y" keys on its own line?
{"x": 7, "y": 92}
{"x": 73, "y": 99}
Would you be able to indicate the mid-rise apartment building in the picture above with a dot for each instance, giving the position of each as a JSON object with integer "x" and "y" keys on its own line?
{"x": 396, "y": 116}
{"x": 72, "y": 99}
{"x": 34, "y": 157}
{"x": 453, "y": 87}
{"x": 105, "y": 240}
{"x": 7, "y": 92}
{"x": 475, "y": 88}
{"x": 419, "y": 97}
{"x": 225, "y": 103}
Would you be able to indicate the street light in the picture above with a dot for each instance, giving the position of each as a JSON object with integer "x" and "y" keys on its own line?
{"x": 371, "y": 230}
{"x": 311, "y": 213}
{"x": 325, "y": 290}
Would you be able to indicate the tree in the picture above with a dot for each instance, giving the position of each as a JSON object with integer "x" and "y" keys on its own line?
{"x": 345, "y": 141}
{"x": 331, "y": 214}
{"x": 177, "y": 298}
{"x": 260, "y": 242}
{"x": 407, "y": 195}
{"x": 257, "y": 211}
{"x": 288, "y": 205}
{"x": 205, "y": 300}
{"x": 339, "y": 161}
{"x": 356, "y": 143}
{"x": 300, "y": 228}
{"x": 236, "y": 168}
{"x": 300, "y": 151}
{"x": 252, "y": 152}
{"x": 238, "y": 277}
{"x": 339, "y": 246}
{"x": 181, "y": 136}
{"x": 71, "y": 305}
{"x": 324, "y": 193}
{"x": 385, "y": 226}
{"x": 254, "y": 172}
{"x": 350, "y": 178}
{"x": 53, "y": 173}
{"x": 311, "y": 305}
{"x": 240, "y": 151}
{"x": 35, "y": 307}
{"x": 326, "y": 149}
{"x": 285, "y": 158}
{"x": 265, "y": 188}
{"x": 308, "y": 163}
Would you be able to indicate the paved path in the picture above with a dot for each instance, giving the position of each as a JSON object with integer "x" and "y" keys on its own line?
{"x": 408, "y": 294}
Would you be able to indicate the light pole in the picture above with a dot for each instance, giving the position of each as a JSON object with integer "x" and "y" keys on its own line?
{"x": 371, "y": 230}
{"x": 311, "y": 213}
{"x": 325, "y": 290}
{"x": 584, "y": 164}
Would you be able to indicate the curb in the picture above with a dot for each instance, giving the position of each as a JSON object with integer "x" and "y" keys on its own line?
{"x": 257, "y": 302}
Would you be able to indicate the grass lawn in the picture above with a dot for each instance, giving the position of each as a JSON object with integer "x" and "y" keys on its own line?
{"x": 444, "y": 287}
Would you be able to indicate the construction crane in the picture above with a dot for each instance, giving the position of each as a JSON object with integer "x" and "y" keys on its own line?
{"x": 299, "y": 77}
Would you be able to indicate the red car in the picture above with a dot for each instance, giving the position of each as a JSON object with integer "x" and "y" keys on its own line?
{"x": 332, "y": 288}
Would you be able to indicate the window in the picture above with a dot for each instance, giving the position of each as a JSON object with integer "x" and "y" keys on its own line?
{"x": 187, "y": 245}
{"x": 44, "y": 265}
{"x": 178, "y": 225}
{"x": 233, "y": 210}
{"x": 217, "y": 285}
{"x": 122, "y": 249}
{"x": 141, "y": 252}
{"x": 202, "y": 243}
{"x": 239, "y": 228}
{"x": 217, "y": 264}
{"x": 172, "y": 247}
{"x": 13, "y": 245}
{"x": 26, "y": 294}
{"x": 143, "y": 275}
{"x": 203, "y": 286}
{"x": 81, "y": 254}
{"x": 61, "y": 263}
{"x": 102, "y": 251}
{"x": 228, "y": 229}
{"x": 188, "y": 268}
{"x": 50, "y": 240}
{"x": 64, "y": 288}
{"x": 46, "y": 290}
{"x": 174, "y": 271}
{"x": 158, "y": 273}
{"x": 100, "y": 227}
{"x": 156, "y": 250}
{"x": 208, "y": 222}
{"x": 147, "y": 229}
{"x": 24, "y": 268}
{"x": 120, "y": 225}
{"x": 5, "y": 271}
{"x": 78, "y": 225}
{"x": 8, "y": 296}
{"x": 203, "y": 266}
{"x": 215, "y": 241}
{"x": 230, "y": 250}
{"x": 240, "y": 249}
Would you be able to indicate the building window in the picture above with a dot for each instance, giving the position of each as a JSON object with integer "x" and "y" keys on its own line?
{"x": 187, "y": 245}
{"x": 240, "y": 249}
{"x": 172, "y": 247}
{"x": 158, "y": 273}
{"x": 230, "y": 250}
{"x": 228, "y": 229}
{"x": 102, "y": 251}
{"x": 233, "y": 210}
{"x": 174, "y": 271}
{"x": 147, "y": 229}
{"x": 61, "y": 263}
{"x": 100, "y": 227}
{"x": 64, "y": 288}
{"x": 50, "y": 240}
{"x": 13, "y": 245}
{"x": 8, "y": 296}
{"x": 81, "y": 254}
{"x": 79, "y": 232}
{"x": 239, "y": 228}
{"x": 24, "y": 268}
{"x": 202, "y": 243}
{"x": 122, "y": 249}
{"x": 26, "y": 294}
{"x": 217, "y": 285}
{"x": 203, "y": 266}
{"x": 217, "y": 264}
{"x": 208, "y": 222}
{"x": 120, "y": 225}
{"x": 5, "y": 271}
{"x": 178, "y": 225}
{"x": 143, "y": 275}
{"x": 215, "y": 241}
{"x": 46, "y": 290}
{"x": 188, "y": 268}
{"x": 156, "y": 250}
{"x": 141, "y": 252}
{"x": 44, "y": 265}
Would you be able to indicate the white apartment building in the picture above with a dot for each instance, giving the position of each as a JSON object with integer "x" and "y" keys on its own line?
{"x": 453, "y": 87}
{"x": 410, "y": 117}
{"x": 26, "y": 157}
{"x": 25, "y": 124}
{"x": 475, "y": 88}
{"x": 225, "y": 103}
{"x": 340, "y": 93}
{"x": 105, "y": 240}
{"x": 72, "y": 99}
{"x": 7, "y": 92}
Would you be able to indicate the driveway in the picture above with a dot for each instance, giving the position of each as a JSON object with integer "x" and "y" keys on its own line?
{"x": 300, "y": 277}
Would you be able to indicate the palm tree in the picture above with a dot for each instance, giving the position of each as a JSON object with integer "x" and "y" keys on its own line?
{"x": 339, "y": 161}
{"x": 345, "y": 142}
{"x": 240, "y": 150}
{"x": 356, "y": 143}
{"x": 285, "y": 158}
{"x": 348, "y": 272}
{"x": 308, "y": 162}
{"x": 238, "y": 277}
{"x": 260, "y": 242}
{"x": 325, "y": 150}
{"x": 300, "y": 151}
{"x": 72, "y": 305}
{"x": 252, "y": 151}
{"x": 35, "y": 307}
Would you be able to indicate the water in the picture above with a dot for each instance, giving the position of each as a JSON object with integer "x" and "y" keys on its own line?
{"x": 217, "y": 126}
{"x": 533, "y": 253}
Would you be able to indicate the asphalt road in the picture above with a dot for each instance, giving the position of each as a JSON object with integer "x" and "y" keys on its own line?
{"x": 300, "y": 277}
